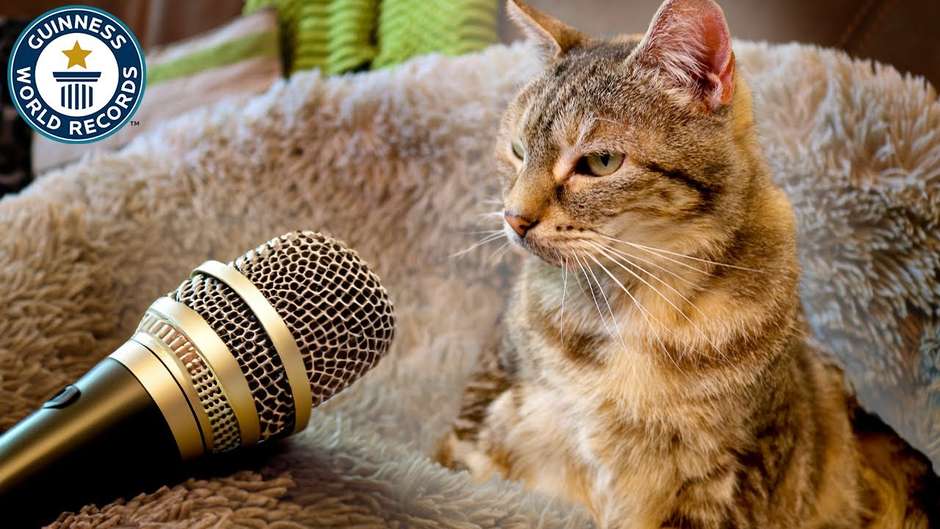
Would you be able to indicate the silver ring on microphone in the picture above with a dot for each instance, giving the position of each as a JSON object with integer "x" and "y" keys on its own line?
{"x": 277, "y": 331}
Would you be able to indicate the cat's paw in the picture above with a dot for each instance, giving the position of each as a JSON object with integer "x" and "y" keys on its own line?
{"x": 458, "y": 454}
{"x": 446, "y": 453}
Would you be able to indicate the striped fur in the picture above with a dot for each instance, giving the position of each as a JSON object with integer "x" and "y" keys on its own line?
{"x": 667, "y": 391}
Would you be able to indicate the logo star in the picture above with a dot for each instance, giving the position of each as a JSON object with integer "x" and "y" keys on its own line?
{"x": 76, "y": 56}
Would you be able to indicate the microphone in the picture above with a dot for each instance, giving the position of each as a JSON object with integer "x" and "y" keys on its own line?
{"x": 237, "y": 355}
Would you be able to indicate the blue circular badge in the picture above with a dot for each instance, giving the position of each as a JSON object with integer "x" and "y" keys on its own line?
{"x": 77, "y": 74}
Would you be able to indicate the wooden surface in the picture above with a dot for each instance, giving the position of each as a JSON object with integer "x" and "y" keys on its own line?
{"x": 155, "y": 22}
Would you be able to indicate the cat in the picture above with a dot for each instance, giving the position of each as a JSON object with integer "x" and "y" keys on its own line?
{"x": 652, "y": 363}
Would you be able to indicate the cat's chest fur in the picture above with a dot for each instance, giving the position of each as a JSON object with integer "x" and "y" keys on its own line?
{"x": 598, "y": 418}
{"x": 589, "y": 349}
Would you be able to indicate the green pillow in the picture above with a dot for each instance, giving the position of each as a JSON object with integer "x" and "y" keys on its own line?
{"x": 415, "y": 27}
{"x": 339, "y": 36}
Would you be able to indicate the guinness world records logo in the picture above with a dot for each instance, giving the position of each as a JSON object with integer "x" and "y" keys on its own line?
{"x": 76, "y": 74}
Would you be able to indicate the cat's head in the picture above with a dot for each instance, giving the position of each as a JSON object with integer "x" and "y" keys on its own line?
{"x": 639, "y": 139}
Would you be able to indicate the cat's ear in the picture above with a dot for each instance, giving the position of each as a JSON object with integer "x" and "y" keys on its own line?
{"x": 553, "y": 37}
{"x": 689, "y": 41}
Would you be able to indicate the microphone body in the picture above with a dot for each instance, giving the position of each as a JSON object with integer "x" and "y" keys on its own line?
{"x": 100, "y": 437}
{"x": 236, "y": 356}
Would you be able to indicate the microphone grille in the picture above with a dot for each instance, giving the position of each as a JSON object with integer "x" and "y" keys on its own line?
{"x": 334, "y": 306}
{"x": 235, "y": 323}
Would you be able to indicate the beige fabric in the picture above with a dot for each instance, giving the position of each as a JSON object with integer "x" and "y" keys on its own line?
{"x": 173, "y": 97}
{"x": 397, "y": 163}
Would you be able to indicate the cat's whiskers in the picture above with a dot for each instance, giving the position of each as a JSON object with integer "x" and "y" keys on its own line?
{"x": 591, "y": 289}
{"x": 491, "y": 214}
{"x": 499, "y": 253}
{"x": 633, "y": 298}
{"x": 648, "y": 316}
{"x": 564, "y": 293}
{"x": 632, "y": 257}
{"x": 662, "y": 253}
{"x": 664, "y": 257}
{"x": 488, "y": 239}
{"x": 619, "y": 259}
{"x": 604, "y": 251}
{"x": 610, "y": 310}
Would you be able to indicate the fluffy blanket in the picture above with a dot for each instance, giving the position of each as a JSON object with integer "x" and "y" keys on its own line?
{"x": 397, "y": 163}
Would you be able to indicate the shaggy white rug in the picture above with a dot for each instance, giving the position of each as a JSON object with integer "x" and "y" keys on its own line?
{"x": 397, "y": 163}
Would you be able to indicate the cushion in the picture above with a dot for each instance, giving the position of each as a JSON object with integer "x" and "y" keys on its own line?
{"x": 339, "y": 36}
{"x": 397, "y": 163}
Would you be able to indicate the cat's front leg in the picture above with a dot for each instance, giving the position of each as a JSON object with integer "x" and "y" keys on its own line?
{"x": 470, "y": 443}
{"x": 479, "y": 448}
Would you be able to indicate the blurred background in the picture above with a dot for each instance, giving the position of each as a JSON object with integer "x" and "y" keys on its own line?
{"x": 903, "y": 33}
{"x": 212, "y": 49}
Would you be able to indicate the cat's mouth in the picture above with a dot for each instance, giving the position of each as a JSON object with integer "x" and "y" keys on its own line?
{"x": 562, "y": 251}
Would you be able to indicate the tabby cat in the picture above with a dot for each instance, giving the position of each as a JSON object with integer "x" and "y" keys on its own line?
{"x": 653, "y": 365}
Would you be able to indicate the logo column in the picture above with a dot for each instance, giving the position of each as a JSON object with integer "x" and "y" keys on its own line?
{"x": 77, "y": 90}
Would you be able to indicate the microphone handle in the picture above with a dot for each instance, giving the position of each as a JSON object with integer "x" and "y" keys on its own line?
{"x": 100, "y": 438}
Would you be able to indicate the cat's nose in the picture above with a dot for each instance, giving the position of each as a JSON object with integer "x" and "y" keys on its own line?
{"x": 519, "y": 224}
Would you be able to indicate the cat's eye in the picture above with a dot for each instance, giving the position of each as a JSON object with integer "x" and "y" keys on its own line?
{"x": 599, "y": 163}
{"x": 518, "y": 151}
